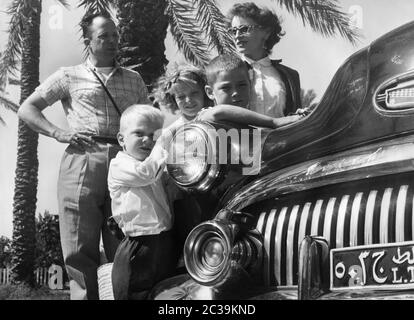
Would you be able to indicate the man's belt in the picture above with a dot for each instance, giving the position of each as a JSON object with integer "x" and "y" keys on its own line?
{"x": 105, "y": 139}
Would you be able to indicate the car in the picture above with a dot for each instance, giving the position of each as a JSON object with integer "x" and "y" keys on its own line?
{"x": 324, "y": 209}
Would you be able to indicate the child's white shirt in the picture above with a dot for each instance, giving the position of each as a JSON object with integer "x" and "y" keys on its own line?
{"x": 139, "y": 201}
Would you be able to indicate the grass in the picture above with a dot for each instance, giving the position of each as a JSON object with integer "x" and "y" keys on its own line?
{"x": 23, "y": 292}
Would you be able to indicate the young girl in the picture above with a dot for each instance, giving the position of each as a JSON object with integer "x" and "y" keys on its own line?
{"x": 183, "y": 90}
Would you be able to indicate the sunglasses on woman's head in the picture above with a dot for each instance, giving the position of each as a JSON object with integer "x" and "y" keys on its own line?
{"x": 243, "y": 29}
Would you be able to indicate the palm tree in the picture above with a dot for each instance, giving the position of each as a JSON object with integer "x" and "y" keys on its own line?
{"x": 198, "y": 26}
{"x": 145, "y": 54}
{"x": 23, "y": 47}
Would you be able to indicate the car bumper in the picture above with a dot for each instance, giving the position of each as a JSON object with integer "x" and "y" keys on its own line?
{"x": 182, "y": 287}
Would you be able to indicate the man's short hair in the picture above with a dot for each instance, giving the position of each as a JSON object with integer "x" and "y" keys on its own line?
{"x": 223, "y": 62}
{"x": 88, "y": 19}
{"x": 148, "y": 112}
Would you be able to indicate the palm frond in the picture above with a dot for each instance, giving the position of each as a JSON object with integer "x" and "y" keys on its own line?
{"x": 10, "y": 57}
{"x": 213, "y": 21}
{"x": 323, "y": 16}
{"x": 97, "y": 6}
{"x": 64, "y": 3}
{"x": 186, "y": 32}
{"x": 14, "y": 82}
{"x": 2, "y": 122}
{"x": 18, "y": 11}
{"x": 8, "y": 104}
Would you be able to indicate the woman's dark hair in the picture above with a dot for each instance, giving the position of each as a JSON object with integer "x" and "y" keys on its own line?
{"x": 263, "y": 17}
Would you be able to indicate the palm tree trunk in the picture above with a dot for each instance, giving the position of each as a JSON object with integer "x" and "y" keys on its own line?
{"x": 24, "y": 206}
{"x": 143, "y": 28}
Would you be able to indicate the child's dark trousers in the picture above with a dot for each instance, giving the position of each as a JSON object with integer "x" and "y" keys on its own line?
{"x": 141, "y": 262}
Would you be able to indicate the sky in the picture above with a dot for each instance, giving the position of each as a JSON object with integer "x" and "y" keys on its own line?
{"x": 316, "y": 58}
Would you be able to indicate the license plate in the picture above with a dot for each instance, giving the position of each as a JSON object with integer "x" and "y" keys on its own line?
{"x": 383, "y": 266}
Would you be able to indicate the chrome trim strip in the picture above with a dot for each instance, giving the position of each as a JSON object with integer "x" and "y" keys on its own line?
{"x": 400, "y": 214}
{"x": 267, "y": 236}
{"x": 290, "y": 244}
{"x": 412, "y": 221}
{"x": 260, "y": 222}
{"x": 369, "y": 217}
{"x": 278, "y": 242}
{"x": 316, "y": 216}
{"x": 303, "y": 222}
{"x": 340, "y": 225}
{"x": 395, "y": 80}
{"x": 356, "y": 208}
{"x": 383, "y": 158}
{"x": 328, "y": 220}
{"x": 261, "y": 228}
{"x": 384, "y": 214}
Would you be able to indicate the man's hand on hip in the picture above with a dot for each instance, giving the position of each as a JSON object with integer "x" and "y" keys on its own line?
{"x": 80, "y": 139}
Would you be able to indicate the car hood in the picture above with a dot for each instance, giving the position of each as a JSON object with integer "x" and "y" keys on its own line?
{"x": 348, "y": 114}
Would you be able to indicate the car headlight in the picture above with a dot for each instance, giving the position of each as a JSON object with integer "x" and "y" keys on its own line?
{"x": 212, "y": 247}
{"x": 213, "y": 253}
{"x": 192, "y": 157}
{"x": 207, "y": 252}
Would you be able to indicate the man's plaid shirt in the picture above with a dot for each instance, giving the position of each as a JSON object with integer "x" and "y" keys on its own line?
{"x": 85, "y": 102}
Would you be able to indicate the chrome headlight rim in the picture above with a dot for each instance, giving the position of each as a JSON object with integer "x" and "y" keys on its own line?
{"x": 205, "y": 169}
{"x": 242, "y": 245}
{"x": 212, "y": 169}
{"x": 194, "y": 252}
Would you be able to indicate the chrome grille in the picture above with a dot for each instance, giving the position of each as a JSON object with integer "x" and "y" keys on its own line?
{"x": 364, "y": 216}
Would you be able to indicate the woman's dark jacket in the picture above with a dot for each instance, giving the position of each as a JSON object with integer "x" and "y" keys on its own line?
{"x": 292, "y": 82}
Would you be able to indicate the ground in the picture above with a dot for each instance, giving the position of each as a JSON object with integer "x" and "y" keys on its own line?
{"x": 13, "y": 292}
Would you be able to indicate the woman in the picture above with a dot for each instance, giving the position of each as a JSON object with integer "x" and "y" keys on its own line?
{"x": 275, "y": 87}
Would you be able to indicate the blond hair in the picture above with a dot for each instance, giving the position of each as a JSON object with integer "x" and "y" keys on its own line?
{"x": 148, "y": 112}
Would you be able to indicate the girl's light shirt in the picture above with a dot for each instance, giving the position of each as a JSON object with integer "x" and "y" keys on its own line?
{"x": 139, "y": 201}
{"x": 181, "y": 121}
{"x": 268, "y": 91}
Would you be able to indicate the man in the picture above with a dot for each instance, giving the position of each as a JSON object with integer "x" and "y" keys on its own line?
{"x": 93, "y": 118}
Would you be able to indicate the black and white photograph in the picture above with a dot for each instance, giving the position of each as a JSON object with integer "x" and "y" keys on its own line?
{"x": 227, "y": 151}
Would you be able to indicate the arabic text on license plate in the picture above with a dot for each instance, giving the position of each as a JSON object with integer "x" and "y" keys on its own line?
{"x": 384, "y": 266}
